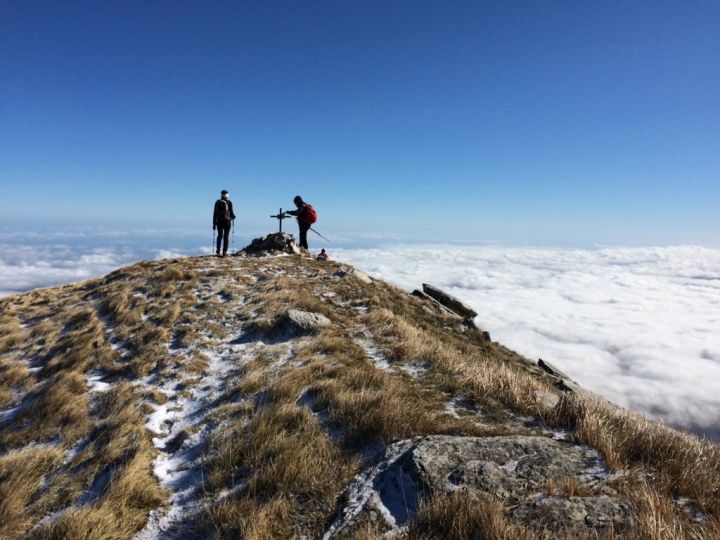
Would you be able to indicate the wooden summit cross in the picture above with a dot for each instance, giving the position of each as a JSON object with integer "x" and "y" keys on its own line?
{"x": 280, "y": 216}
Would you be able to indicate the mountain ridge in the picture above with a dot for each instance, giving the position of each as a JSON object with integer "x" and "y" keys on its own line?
{"x": 181, "y": 398}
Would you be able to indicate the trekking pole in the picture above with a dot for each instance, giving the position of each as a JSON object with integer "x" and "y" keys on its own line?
{"x": 212, "y": 246}
{"x": 320, "y": 235}
{"x": 233, "y": 240}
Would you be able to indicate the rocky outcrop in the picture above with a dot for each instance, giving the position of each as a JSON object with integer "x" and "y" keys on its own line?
{"x": 449, "y": 301}
{"x": 515, "y": 469}
{"x": 272, "y": 243}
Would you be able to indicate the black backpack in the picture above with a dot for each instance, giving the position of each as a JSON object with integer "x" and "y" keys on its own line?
{"x": 224, "y": 210}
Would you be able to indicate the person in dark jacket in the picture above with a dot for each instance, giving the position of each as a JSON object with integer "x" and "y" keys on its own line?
{"x": 223, "y": 217}
{"x": 303, "y": 217}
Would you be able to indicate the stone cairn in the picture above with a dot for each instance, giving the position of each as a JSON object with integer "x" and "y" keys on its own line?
{"x": 272, "y": 243}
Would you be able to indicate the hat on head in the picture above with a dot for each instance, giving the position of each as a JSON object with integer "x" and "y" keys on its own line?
{"x": 224, "y": 192}
{"x": 298, "y": 199}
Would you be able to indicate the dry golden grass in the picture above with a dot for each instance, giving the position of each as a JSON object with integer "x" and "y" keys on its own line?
{"x": 12, "y": 335}
{"x": 291, "y": 457}
{"x": 119, "y": 444}
{"x": 294, "y": 474}
{"x": 58, "y": 410}
{"x": 463, "y": 516}
{"x": 682, "y": 464}
{"x": 469, "y": 368}
{"x": 20, "y": 474}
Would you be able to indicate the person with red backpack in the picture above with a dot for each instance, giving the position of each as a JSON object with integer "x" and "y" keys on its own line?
{"x": 306, "y": 216}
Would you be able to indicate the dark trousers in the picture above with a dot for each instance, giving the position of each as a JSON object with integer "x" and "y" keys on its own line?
{"x": 303, "y": 235}
{"x": 223, "y": 229}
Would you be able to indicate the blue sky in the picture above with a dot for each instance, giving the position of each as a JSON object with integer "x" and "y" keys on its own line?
{"x": 525, "y": 122}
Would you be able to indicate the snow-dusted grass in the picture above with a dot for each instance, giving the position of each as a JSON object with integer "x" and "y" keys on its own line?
{"x": 163, "y": 403}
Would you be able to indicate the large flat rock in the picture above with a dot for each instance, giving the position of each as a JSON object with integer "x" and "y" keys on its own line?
{"x": 515, "y": 469}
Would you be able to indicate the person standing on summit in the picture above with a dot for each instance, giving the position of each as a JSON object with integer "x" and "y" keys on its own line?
{"x": 306, "y": 216}
{"x": 223, "y": 217}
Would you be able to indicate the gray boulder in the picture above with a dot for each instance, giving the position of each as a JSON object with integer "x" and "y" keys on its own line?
{"x": 361, "y": 276}
{"x": 296, "y": 323}
{"x": 449, "y": 301}
{"x": 514, "y": 469}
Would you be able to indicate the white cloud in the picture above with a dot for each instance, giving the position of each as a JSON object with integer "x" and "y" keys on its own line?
{"x": 29, "y": 267}
{"x": 169, "y": 254}
{"x": 641, "y": 326}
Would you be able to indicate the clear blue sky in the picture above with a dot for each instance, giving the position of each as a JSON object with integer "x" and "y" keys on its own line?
{"x": 549, "y": 122}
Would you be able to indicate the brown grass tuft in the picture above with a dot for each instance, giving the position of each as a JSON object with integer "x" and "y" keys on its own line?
{"x": 20, "y": 474}
{"x": 463, "y": 516}
{"x": 683, "y": 464}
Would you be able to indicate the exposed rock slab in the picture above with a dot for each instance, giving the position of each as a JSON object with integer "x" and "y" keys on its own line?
{"x": 438, "y": 305}
{"x": 552, "y": 370}
{"x": 449, "y": 301}
{"x": 576, "y": 516}
{"x": 514, "y": 469}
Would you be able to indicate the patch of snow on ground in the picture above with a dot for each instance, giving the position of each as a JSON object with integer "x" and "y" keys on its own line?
{"x": 374, "y": 354}
{"x": 95, "y": 382}
{"x": 365, "y": 489}
{"x": 182, "y": 430}
{"x": 415, "y": 370}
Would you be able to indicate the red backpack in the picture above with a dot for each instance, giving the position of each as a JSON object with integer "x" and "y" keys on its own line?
{"x": 309, "y": 215}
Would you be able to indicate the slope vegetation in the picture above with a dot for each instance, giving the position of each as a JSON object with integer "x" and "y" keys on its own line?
{"x": 281, "y": 397}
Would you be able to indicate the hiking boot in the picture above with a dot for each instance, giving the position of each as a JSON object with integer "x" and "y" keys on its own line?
{"x": 224, "y": 254}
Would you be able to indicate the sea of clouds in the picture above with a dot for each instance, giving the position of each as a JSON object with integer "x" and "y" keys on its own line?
{"x": 29, "y": 260}
{"x": 641, "y": 326}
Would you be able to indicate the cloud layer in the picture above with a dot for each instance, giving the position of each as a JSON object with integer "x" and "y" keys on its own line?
{"x": 641, "y": 326}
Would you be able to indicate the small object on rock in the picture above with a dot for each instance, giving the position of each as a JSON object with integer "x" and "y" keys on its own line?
{"x": 295, "y": 322}
{"x": 486, "y": 336}
{"x": 450, "y": 302}
{"x": 552, "y": 370}
{"x": 276, "y": 242}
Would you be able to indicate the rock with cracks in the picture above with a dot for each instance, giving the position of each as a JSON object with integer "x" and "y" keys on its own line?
{"x": 514, "y": 469}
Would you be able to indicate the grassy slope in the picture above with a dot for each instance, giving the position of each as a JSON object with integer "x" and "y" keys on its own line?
{"x": 275, "y": 467}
